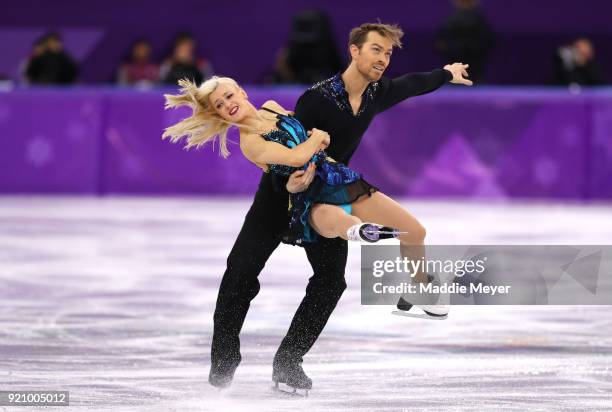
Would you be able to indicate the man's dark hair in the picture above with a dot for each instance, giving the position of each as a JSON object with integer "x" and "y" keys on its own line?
{"x": 392, "y": 32}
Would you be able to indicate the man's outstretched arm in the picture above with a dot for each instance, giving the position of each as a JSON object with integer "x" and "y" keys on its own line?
{"x": 416, "y": 84}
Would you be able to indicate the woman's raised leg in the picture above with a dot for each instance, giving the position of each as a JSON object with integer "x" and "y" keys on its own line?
{"x": 381, "y": 209}
{"x": 332, "y": 221}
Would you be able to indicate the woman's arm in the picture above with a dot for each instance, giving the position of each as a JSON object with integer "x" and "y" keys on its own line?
{"x": 258, "y": 150}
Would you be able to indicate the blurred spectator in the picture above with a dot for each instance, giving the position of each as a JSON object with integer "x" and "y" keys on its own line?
{"x": 311, "y": 54}
{"x": 37, "y": 49}
{"x": 575, "y": 64}
{"x": 184, "y": 64}
{"x": 138, "y": 69}
{"x": 50, "y": 64}
{"x": 466, "y": 37}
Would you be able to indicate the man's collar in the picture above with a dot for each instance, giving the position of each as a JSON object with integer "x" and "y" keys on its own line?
{"x": 341, "y": 96}
{"x": 338, "y": 78}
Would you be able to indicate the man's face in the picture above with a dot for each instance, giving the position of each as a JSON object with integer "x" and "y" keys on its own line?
{"x": 584, "y": 51}
{"x": 373, "y": 57}
{"x": 184, "y": 51}
{"x": 54, "y": 45}
{"x": 142, "y": 51}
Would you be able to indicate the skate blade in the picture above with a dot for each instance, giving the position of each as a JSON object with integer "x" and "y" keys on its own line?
{"x": 419, "y": 315}
{"x": 383, "y": 232}
{"x": 288, "y": 391}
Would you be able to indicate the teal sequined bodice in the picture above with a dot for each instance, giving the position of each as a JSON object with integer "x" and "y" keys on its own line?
{"x": 289, "y": 132}
{"x": 331, "y": 185}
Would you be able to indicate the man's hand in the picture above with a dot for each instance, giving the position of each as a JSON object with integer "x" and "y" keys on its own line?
{"x": 458, "y": 71}
{"x": 301, "y": 179}
{"x": 321, "y": 135}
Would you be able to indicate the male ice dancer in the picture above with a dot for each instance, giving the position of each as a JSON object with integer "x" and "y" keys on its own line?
{"x": 343, "y": 106}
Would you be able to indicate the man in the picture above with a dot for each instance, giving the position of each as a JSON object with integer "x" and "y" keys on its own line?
{"x": 467, "y": 35}
{"x": 343, "y": 106}
{"x": 52, "y": 64}
{"x": 575, "y": 65}
{"x": 183, "y": 62}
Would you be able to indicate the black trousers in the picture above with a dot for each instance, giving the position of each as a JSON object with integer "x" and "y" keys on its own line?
{"x": 259, "y": 237}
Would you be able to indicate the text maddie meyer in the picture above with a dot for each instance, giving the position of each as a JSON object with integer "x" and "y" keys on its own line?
{"x": 446, "y": 288}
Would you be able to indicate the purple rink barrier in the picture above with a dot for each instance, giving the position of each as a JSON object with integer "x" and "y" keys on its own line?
{"x": 50, "y": 141}
{"x": 479, "y": 142}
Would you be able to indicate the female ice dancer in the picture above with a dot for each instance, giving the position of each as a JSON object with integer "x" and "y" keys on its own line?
{"x": 277, "y": 142}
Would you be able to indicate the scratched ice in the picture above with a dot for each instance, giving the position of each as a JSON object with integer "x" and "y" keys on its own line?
{"x": 112, "y": 300}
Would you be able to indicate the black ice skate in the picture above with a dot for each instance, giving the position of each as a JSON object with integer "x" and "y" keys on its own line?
{"x": 291, "y": 375}
{"x": 222, "y": 373}
{"x": 371, "y": 233}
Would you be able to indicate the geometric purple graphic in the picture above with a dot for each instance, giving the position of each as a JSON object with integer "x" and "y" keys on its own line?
{"x": 550, "y": 154}
{"x": 456, "y": 170}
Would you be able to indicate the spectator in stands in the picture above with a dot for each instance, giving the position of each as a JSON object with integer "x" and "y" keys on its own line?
{"x": 466, "y": 37}
{"x": 37, "y": 49}
{"x": 575, "y": 64}
{"x": 138, "y": 69}
{"x": 50, "y": 64}
{"x": 311, "y": 54}
{"x": 184, "y": 64}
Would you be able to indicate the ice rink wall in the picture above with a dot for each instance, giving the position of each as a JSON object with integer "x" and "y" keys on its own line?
{"x": 481, "y": 142}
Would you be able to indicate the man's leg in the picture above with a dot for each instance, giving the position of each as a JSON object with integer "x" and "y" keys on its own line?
{"x": 259, "y": 236}
{"x": 328, "y": 260}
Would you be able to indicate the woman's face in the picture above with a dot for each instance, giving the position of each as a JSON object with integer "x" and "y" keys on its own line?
{"x": 229, "y": 102}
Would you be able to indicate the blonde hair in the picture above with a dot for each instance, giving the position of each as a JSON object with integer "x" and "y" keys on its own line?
{"x": 204, "y": 124}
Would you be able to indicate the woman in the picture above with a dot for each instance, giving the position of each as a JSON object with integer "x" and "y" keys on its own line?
{"x": 277, "y": 142}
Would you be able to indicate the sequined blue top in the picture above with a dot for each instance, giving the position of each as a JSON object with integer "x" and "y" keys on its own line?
{"x": 289, "y": 132}
{"x": 334, "y": 184}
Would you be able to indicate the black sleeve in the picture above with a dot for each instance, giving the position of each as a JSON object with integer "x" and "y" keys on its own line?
{"x": 413, "y": 84}
{"x": 594, "y": 74}
{"x": 306, "y": 109}
{"x": 70, "y": 70}
{"x": 33, "y": 70}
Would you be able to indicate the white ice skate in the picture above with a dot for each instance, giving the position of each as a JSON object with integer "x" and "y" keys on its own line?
{"x": 439, "y": 310}
{"x": 371, "y": 233}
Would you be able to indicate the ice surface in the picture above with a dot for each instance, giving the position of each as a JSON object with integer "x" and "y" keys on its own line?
{"x": 112, "y": 300}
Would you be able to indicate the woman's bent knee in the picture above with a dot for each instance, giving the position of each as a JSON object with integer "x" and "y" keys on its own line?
{"x": 323, "y": 219}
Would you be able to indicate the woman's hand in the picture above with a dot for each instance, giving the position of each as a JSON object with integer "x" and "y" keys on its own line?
{"x": 322, "y": 136}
